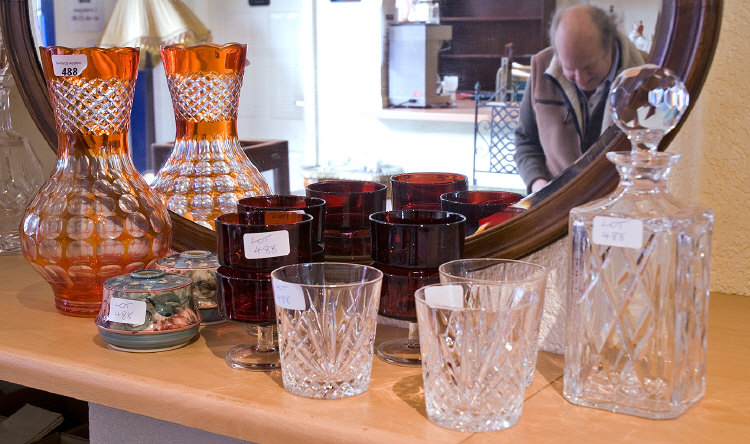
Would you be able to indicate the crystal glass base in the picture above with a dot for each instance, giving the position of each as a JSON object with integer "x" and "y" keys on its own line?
{"x": 467, "y": 422}
{"x": 401, "y": 352}
{"x": 250, "y": 357}
{"x": 77, "y": 308}
{"x": 656, "y": 410}
{"x": 308, "y": 388}
{"x": 10, "y": 243}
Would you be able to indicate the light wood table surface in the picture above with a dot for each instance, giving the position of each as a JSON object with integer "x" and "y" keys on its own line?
{"x": 192, "y": 386}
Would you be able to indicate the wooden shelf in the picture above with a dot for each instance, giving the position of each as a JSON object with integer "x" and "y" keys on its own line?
{"x": 192, "y": 386}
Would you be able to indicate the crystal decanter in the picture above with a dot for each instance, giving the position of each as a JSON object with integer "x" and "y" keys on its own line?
{"x": 20, "y": 170}
{"x": 207, "y": 171}
{"x": 637, "y": 312}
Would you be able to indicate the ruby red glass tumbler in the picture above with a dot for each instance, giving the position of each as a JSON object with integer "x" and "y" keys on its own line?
{"x": 313, "y": 206}
{"x": 422, "y": 191}
{"x": 477, "y": 204}
{"x": 249, "y": 247}
{"x": 349, "y": 204}
{"x": 409, "y": 246}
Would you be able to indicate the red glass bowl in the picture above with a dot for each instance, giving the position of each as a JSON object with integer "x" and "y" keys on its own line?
{"x": 417, "y": 238}
{"x": 415, "y": 191}
{"x": 245, "y": 296}
{"x": 408, "y": 246}
{"x": 241, "y": 242}
{"x": 313, "y": 206}
{"x": 397, "y": 291}
{"x": 349, "y": 203}
{"x": 477, "y": 204}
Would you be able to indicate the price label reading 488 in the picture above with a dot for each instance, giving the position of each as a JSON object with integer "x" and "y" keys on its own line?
{"x": 69, "y": 65}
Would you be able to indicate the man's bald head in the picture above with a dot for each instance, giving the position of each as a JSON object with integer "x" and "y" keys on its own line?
{"x": 586, "y": 19}
{"x": 583, "y": 37}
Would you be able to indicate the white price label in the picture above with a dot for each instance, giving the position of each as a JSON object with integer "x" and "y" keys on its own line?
{"x": 69, "y": 65}
{"x": 265, "y": 245}
{"x": 445, "y": 296}
{"x": 289, "y": 296}
{"x": 617, "y": 232}
{"x": 127, "y": 311}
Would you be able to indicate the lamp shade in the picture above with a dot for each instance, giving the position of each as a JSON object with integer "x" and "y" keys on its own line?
{"x": 148, "y": 24}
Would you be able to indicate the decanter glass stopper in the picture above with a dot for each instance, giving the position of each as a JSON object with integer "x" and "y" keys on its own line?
{"x": 647, "y": 102}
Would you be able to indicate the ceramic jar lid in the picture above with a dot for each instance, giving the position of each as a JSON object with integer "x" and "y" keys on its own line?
{"x": 147, "y": 281}
{"x": 189, "y": 260}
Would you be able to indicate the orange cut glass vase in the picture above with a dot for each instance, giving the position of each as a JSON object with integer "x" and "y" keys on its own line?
{"x": 95, "y": 217}
{"x": 207, "y": 171}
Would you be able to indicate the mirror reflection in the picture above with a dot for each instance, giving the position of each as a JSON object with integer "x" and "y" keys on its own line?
{"x": 319, "y": 78}
{"x": 565, "y": 106}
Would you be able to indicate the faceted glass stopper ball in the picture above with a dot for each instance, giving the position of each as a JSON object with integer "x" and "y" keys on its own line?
{"x": 646, "y": 102}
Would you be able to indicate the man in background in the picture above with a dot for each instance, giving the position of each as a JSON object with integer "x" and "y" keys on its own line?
{"x": 563, "y": 111}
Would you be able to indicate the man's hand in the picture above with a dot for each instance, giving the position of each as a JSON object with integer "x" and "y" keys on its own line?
{"x": 538, "y": 185}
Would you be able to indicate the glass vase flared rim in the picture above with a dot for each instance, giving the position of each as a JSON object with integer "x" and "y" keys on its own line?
{"x": 366, "y": 268}
{"x": 206, "y": 45}
{"x": 86, "y": 49}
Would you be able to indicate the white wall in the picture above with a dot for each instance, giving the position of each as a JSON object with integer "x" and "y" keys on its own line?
{"x": 74, "y": 33}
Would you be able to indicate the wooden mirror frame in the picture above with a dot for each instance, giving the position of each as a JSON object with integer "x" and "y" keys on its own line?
{"x": 685, "y": 40}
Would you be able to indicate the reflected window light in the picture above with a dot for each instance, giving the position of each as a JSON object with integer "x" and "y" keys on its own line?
{"x": 149, "y": 178}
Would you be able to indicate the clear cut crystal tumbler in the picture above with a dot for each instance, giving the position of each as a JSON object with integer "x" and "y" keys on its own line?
{"x": 473, "y": 340}
{"x": 207, "y": 171}
{"x": 532, "y": 277}
{"x": 326, "y": 314}
{"x": 95, "y": 217}
{"x": 637, "y": 314}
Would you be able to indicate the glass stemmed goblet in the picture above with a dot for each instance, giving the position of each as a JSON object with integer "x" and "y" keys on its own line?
{"x": 249, "y": 247}
{"x": 408, "y": 246}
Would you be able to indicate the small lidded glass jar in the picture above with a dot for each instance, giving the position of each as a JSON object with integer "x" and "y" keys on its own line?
{"x": 148, "y": 310}
{"x": 200, "y": 266}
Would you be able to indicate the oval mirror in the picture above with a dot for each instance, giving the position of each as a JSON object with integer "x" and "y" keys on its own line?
{"x": 684, "y": 41}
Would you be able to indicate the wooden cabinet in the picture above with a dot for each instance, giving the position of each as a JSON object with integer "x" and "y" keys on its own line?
{"x": 481, "y": 31}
